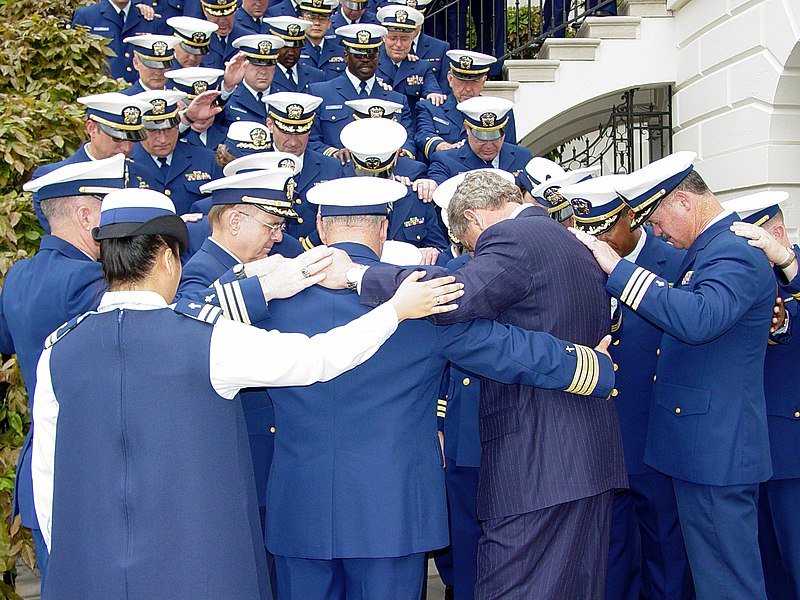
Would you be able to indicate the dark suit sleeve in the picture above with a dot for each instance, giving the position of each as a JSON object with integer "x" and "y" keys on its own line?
{"x": 495, "y": 279}
{"x": 724, "y": 288}
{"x": 86, "y": 287}
{"x": 516, "y": 356}
{"x": 430, "y": 85}
{"x": 438, "y": 170}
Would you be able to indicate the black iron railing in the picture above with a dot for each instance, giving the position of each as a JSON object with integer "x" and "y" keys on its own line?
{"x": 637, "y": 132}
{"x": 509, "y": 31}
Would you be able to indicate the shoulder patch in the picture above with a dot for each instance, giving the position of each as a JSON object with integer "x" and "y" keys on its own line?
{"x": 66, "y": 328}
{"x": 196, "y": 310}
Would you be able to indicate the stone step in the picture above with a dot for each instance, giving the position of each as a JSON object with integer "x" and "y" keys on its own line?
{"x": 531, "y": 70}
{"x": 644, "y": 8}
{"x": 610, "y": 28}
{"x": 569, "y": 48}
{"x": 502, "y": 89}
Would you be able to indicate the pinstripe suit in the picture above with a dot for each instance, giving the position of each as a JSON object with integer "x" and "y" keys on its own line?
{"x": 547, "y": 456}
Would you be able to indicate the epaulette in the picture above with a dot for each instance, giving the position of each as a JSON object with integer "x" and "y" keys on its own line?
{"x": 202, "y": 312}
{"x": 66, "y": 328}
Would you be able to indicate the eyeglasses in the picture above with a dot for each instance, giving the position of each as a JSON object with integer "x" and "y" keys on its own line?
{"x": 315, "y": 17}
{"x": 273, "y": 228}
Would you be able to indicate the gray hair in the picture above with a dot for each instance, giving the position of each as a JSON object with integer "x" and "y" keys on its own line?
{"x": 479, "y": 190}
{"x": 57, "y": 211}
{"x": 353, "y": 221}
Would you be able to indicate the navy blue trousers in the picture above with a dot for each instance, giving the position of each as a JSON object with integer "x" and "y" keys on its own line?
{"x": 557, "y": 553}
{"x": 465, "y": 529}
{"x": 395, "y": 578}
{"x": 720, "y": 529}
{"x": 646, "y": 554}
{"x": 779, "y": 537}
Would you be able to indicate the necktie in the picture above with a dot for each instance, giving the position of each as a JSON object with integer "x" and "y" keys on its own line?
{"x": 163, "y": 165}
{"x": 259, "y": 96}
{"x": 317, "y": 50}
{"x": 290, "y": 76}
{"x": 224, "y": 40}
{"x": 121, "y": 18}
{"x": 414, "y": 48}
{"x": 362, "y": 90}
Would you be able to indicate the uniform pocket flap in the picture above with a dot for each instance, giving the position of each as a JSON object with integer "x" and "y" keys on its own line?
{"x": 682, "y": 401}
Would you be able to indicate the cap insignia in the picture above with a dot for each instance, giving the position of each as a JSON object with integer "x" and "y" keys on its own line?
{"x": 363, "y": 37}
{"x": 465, "y": 62}
{"x": 287, "y": 163}
{"x": 291, "y": 186}
{"x": 294, "y": 111}
{"x": 131, "y": 115}
{"x": 581, "y": 207}
{"x": 372, "y": 163}
{"x": 160, "y": 48}
{"x": 199, "y": 37}
{"x": 264, "y": 47}
{"x": 376, "y": 112}
{"x": 159, "y": 106}
{"x": 488, "y": 119}
{"x": 293, "y": 29}
{"x": 401, "y": 16}
{"x": 199, "y": 87}
{"x": 259, "y": 137}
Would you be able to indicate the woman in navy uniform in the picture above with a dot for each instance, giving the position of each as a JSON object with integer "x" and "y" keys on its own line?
{"x": 142, "y": 478}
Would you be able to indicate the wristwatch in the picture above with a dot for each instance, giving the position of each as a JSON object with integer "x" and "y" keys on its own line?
{"x": 353, "y": 276}
{"x": 238, "y": 270}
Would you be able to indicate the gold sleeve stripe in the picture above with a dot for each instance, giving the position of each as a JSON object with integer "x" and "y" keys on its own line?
{"x": 330, "y": 151}
{"x": 429, "y": 143}
{"x": 307, "y": 245}
{"x": 587, "y": 372}
{"x": 645, "y": 285}
{"x": 638, "y": 274}
{"x": 237, "y": 293}
{"x": 796, "y": 296}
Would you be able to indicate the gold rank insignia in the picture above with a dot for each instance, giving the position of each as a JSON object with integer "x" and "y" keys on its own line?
{"x": 465, "y": 62}
{"x": 160, "y": 48}
{"x": 581, "y": 206}
{"x": 222, "y": 1}
{"x": 199, "y": 87}
{"x": 488, "y": 119}
{"x": 291, "y": 186}
{"x": 264, "y": 47}
{"x": 287, "y": 163}
{"x": 363, "y": 36}
{"x": 198, "y": 37}
{"x": 376, "y": 112}
{"x": 401, "y": 16}
{"x": 316, "y": 3}
{"x": 294, "y": 111}
{"x": 159, "y": 106}
{"x": 412, "y": 3}
{"x": 131, "y": 115}
{"x": 293, "y": 29}
{"x": 259, "y": 137}
{"x": 372, "y": 163}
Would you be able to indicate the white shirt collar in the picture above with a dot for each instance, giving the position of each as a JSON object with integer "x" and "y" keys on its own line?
{"x": 415, "y": 43}
{"x": 118, "y": 10}
{"x": 719, "y": 217}
{"x": 86, "y": 149}
{"x": 357, "y": 82}
{"x": 519, "y": 209}
{"x": 156, "y": 158}
{"x": 634, "y": 254}
{"x": 283, "y": 69}
{"x": 231, "y": 254}
{"x": 131, "y": 299}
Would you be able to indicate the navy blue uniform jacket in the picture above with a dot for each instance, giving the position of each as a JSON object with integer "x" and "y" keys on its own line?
{"x": 540, "y": 447}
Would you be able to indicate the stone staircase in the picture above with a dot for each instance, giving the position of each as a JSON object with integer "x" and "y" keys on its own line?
{"x": 573, "y": 82}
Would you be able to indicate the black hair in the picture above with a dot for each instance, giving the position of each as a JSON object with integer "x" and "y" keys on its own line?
{"x": 129, "y": 260}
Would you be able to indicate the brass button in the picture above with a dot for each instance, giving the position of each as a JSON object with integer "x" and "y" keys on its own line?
{"x": 127, "y": 55}
{"x": 658, "y": 352}
{"x": 298, "y": 201}
{"x": 465, "y": 381}
{"x": 272, "y": 429}
{"x": 299, "y": 219}
{"x": 333, "y": 118}
{"x": 128, "y": 69}
{"x": 238, "y": 118}
{"x": 615, "y": 343}
{"x": 616, "y": 366}
{"x": 797, "y": 414}
{"x": 615, "y": 392}
{"x": 655, "y": 377}
{"x": 167, "y": 193}
{"x": 418, "y": 237}
{"x": 677, "y": 410}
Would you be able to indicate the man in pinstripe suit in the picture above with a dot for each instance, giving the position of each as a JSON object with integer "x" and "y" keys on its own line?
{"x": 550, "y": 459}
